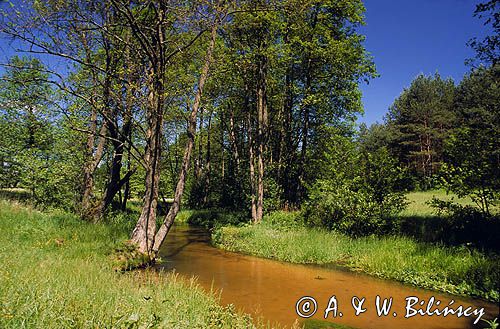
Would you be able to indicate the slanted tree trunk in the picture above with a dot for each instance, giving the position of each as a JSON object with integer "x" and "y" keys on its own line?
{"x": 116, "y": 182}
{"x": 198, "y": 165}
{"x": 126, "y": 190}
{"x": 179, "y": 190}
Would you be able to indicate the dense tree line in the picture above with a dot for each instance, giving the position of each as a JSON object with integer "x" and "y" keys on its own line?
{"x": 446, "y": 135}
{"x": 245, "y": 105}
{"x": 246, "y": 91}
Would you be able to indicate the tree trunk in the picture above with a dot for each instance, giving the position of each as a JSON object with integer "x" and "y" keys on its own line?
{"x": 286, "y": 149}
{"x": 90, "y": 165}
{"x": 206, "y": 191}
{"x": 93, "y": 155}
{"x": 305, "y": 135}
{"x": 179, "y": 190}
{"x": 252, "y": 170}
{"x": 126, "y": 191}
{"x": 88, "y": 168}
{"x": 198, "y": 165}
{"x": 145, "y": 229}
{"x": 262, "y": 135}
{"x": 234, "y": 144}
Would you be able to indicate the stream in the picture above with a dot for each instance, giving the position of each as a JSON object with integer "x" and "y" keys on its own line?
{"x": 270, "y": 289}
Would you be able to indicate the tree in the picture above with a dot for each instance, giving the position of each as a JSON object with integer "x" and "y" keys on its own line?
{"x": 85, "y": 35}
{"x": 36, "y": 148}
{"x": 179, "y": 190}
{"x": 284, "y": 73}
{"x": 488, "y": 49}
{"x": 292, "y": 71}
{"x": 419, "y": 121}
{"x": 472, "y": 152}
{"x": 24, "y": 99}
{"x": 375, "y": 136}
{"x": 357, "y": 192}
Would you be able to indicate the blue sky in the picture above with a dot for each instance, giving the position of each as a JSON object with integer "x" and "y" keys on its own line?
{"x": 409, "y": 37}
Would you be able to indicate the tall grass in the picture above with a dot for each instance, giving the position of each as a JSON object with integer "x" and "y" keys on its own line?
{"x": 456, "y": 270}
{"x": 57, "y": 272}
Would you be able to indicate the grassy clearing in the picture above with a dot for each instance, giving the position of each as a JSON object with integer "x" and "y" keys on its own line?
{"x": 418, "y": 202}
{"x": 57, "y": 272}
{"x": 421, "y": 222}
{"x": 457, "y": 270}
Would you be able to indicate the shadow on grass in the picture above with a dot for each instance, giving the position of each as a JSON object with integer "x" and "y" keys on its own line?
{"x": 478, "y": 232}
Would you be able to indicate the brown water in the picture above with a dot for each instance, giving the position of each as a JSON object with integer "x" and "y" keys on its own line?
{"x": 270, "y": 289}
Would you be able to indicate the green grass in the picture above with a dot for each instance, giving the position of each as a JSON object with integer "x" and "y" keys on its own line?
{"x": 418, "y": 202}
{"x": 57, "y": 272}
{"x": 424, "y": 223}
{"x": 456, "y": 270}
{"x": 319, "y": 324}
{"x": 415, "y": 253}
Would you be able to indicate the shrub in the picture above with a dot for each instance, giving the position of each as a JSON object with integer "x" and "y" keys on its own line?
{"x": 359, "y": 194}
{"x": 284, "y": 219}
{"x": 210, "y": 218}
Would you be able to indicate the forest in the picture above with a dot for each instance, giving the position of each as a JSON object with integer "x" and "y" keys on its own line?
{"x": 242, "y": 117}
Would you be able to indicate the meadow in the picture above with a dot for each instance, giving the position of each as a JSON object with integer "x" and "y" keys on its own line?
{"x": 59, "y": 272}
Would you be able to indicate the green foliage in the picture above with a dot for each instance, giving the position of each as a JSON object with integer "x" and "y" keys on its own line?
{"x": 24, "y": 124}
{"x": 418, "y": 122}
{"x": 358, "y": 193}
{"x": 58, "y": 273}
{"x": 284, "y": 219}
{"x": 456, "y": 270}
{"x": 38, "y": 152}
{"x": 492, "y": 324}
{"x": 213, "y": 217}
{"x": 440, "y": 217}
{"x": 126, "y": 257}
{"x": 488, "y": 49}
{"x": 293, "y": 48}
{"x": 465, "y": 224}
{"x": 473, "y": 149}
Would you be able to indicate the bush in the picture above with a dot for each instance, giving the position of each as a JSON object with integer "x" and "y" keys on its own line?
{"x": 284, "y": 219}
{"x": 210, "y": 218}
{"x": 351, "y": 211}
{"x": 359, "y": 195}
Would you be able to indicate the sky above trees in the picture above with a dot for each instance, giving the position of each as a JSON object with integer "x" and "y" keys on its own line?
{"x": 405, "y": 37}
{"x": 409, "y": 37}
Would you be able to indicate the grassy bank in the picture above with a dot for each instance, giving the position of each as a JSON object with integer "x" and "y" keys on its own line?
{"x": 57, "y": 272}
{"x": 453, "y": 269}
